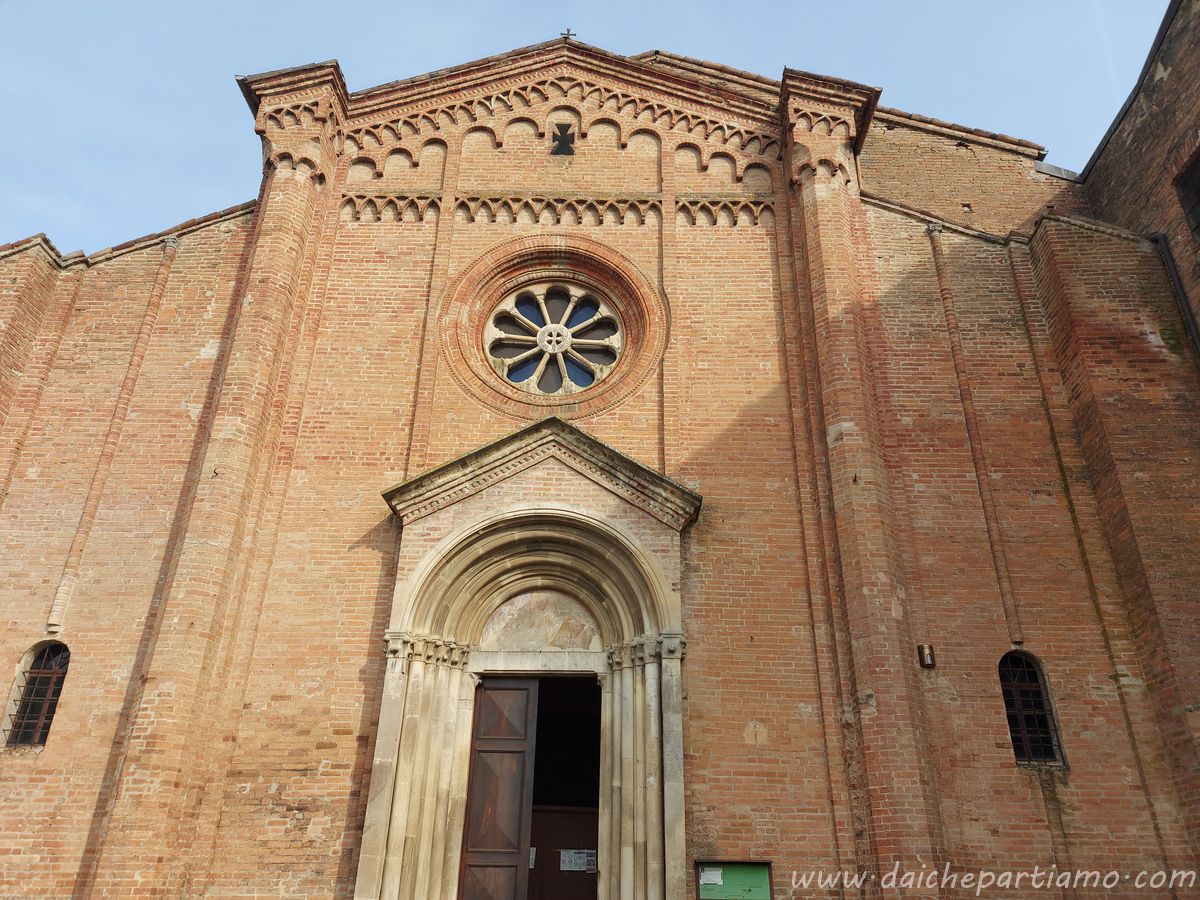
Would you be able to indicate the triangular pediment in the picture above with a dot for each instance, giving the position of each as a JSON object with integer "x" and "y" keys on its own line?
{"x": 666, "y": 500}
{"x": 738, "y": 97}
{"x": 735, "y": 110}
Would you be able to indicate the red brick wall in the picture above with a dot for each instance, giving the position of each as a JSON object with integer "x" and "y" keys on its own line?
{"x": 1131, "y": 182}
{"x": 51, "y": 797}
{"x": 986, "y": 183}
{"x": 889, "y": 454}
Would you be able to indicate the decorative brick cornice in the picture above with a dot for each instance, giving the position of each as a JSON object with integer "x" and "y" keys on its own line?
{"x": 635, "y": 106}
{"x": 725, "y": 211}
{"x": 828, "y": 106}
{"x": 666, "y": 500}
{"x": 283, "y": 86}
{"x": 413, "y": 208}
{"x": 549, "y": 210}
{"x": 733, "y": 101}
{"x": 300, "y": 114}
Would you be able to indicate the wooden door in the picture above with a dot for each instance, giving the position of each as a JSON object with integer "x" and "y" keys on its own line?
{"x": 495, "y": 859}
{"x": 562, "y": 836}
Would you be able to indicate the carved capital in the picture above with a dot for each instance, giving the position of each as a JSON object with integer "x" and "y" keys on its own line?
{"x": 638, "y": 653}
{"x": 618, "y": 657}
{"x": 398, "y": 644}
{"x": 457, "y": 656}
{"x": 671, "y": 645}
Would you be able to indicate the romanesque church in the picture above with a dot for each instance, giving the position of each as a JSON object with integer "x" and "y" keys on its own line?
{"x": 591, "y": 476}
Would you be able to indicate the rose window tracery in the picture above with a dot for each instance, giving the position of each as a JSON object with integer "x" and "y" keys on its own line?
{"x": 553, "y": 338}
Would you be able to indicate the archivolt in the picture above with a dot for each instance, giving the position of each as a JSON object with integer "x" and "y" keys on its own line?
{"x": 467, "y": 576}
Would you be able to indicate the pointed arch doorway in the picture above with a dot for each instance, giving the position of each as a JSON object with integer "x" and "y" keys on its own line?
{"x": 494, "y": 595}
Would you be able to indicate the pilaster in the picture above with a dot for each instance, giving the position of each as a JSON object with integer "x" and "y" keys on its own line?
{"x": 1132, "y": 391}
{"x": 299, "y": 116}
{"x": 831, "y": 253}
{"x": 27, "y": 288}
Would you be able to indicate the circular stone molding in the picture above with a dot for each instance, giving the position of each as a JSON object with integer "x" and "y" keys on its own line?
{"x": 526, "y": 299}
{"x": 553, "y": 338}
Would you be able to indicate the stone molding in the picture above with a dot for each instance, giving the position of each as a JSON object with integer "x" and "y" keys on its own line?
{"x": 666, "y": 500}
{"x": 467, "y": 305}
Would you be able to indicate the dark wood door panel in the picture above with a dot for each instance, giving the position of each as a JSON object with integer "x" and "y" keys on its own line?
{"x": 489, "y": 882}
{"x": 495, "y": 860}
{"x": 497, "y": 798}
{"x": 503, "y": 712}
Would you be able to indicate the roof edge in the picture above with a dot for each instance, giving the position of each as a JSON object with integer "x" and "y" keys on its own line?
{"x": 37, "y": 241}
{"x": 1006, "y": 141}
{"x": 78, "y": 256}
{"x": 1155, "y": 47}
{"x": 693, "y": 63}
{"x": 279, "y": 81}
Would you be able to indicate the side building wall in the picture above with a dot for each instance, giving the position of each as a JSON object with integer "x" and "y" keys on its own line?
{"x": 1132, "y": 181}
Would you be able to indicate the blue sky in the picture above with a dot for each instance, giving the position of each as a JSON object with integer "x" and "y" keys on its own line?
{"x": 123, "y": 117}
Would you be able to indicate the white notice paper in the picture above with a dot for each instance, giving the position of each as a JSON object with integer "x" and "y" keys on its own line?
{"x": 712, "y": 875}
{"x": 577, "y": 860}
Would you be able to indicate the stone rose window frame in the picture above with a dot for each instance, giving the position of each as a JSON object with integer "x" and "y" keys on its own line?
{"x": 468, "y": 309}
{"x": 555, "y": 337}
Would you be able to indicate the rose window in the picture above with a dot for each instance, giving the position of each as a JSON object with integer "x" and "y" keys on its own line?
{"x": 553, "y": 339}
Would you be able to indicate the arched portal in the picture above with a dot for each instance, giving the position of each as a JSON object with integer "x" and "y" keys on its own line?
{"x": 461, "y": 590}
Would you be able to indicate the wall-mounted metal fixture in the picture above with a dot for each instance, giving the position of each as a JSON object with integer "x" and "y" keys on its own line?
{"x": 925, "y": 656}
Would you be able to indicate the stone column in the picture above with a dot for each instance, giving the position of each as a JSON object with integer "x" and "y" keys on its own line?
{"x": 461, "y": 766}
{"x": 653, "y": 793}
{"x": 412, "y": 860}
{"x": 383, "y": 767}
{"x": 605, "y": 852}
{"x": 168, "y": 744}
{"x": 670, "y": 647}
{"x": 832, "y": 240}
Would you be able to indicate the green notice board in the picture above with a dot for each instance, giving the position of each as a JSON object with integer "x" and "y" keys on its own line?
{"x": 734, "y": 881}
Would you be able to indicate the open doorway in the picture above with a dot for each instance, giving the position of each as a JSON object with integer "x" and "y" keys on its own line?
{"x": 532, "y": 806}
{"x": 566, "y": 790}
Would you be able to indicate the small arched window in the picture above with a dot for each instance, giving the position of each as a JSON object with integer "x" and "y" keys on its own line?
{"x": 39, "y": 685}
{"x": 1027, "y": 703}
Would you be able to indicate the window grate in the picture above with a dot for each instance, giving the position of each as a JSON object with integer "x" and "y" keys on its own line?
{"x": 1030, "y": 719}
{"x": 39, "y": 696}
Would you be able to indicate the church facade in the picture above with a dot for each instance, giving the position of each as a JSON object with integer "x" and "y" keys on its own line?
{"x": 579, "y": 475}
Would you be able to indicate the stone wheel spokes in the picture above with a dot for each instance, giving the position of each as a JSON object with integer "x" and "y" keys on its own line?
{"x": 553, "y": 339}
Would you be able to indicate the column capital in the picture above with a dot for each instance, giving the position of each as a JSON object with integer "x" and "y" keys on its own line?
{"x": 618, "y": 656}
{"x": 671, "y": 645}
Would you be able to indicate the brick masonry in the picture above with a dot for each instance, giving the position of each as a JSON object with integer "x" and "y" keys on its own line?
{"x": 929, "y": 394}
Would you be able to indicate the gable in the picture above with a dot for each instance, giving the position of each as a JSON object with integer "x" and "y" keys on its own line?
{"x": 598, "y": 84}
{"x": 552, "y": 438}
{"x": 595, "y": 97}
